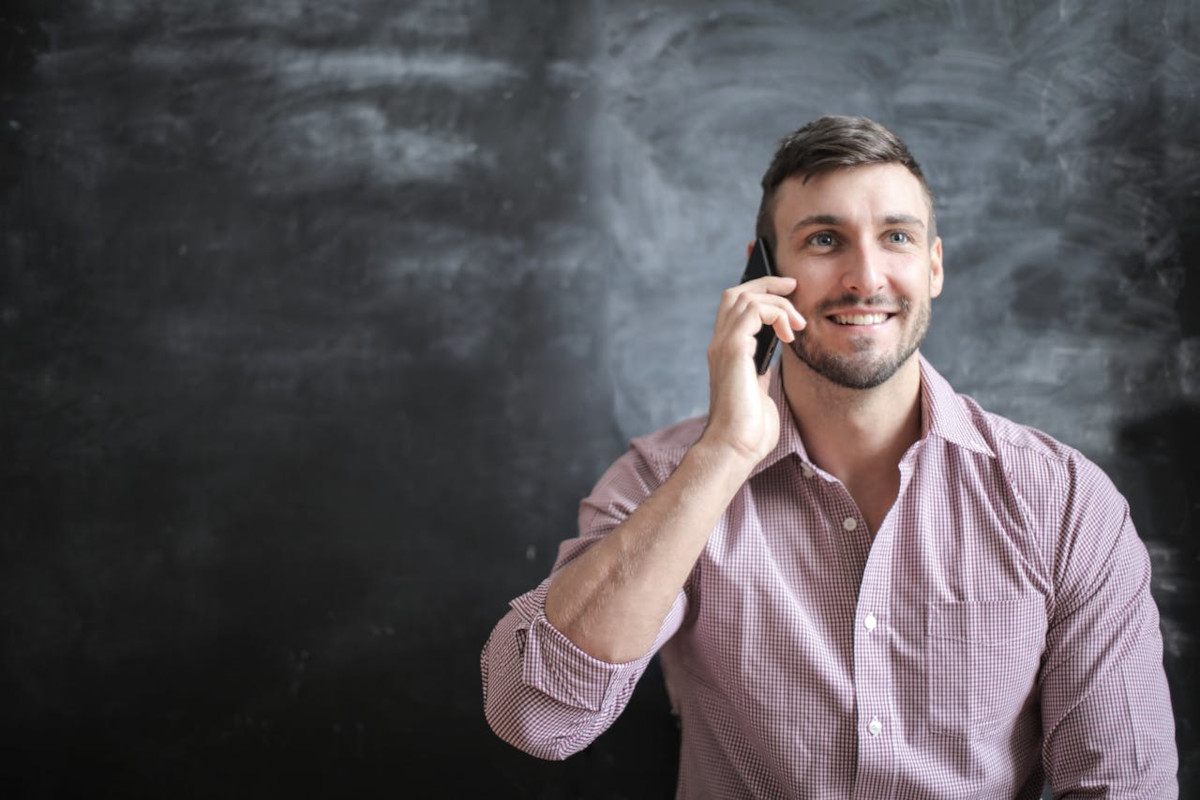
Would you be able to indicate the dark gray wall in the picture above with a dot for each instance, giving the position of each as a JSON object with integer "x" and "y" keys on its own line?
{"x": 319, "y": 318}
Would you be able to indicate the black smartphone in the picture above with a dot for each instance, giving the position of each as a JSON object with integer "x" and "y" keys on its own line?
{"x": 758, "y": 265}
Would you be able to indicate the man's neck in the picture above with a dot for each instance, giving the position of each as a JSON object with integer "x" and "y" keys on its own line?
{"x": 855, "y": 434}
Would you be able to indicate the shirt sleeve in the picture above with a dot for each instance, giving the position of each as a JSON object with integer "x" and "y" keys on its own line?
{"x": 1106, "y": 709}
{"x": 541, "y": 693}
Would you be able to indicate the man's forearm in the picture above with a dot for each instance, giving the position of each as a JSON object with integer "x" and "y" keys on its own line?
{"x": 612, "y": 599}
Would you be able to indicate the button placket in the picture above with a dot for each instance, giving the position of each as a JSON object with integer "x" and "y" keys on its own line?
{"x": 873, "y": 678}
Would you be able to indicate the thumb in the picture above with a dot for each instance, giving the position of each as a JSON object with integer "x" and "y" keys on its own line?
{"x": 764, "y": 382}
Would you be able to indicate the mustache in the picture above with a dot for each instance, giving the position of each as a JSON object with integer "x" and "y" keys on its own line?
{"x": 874, "y": 301}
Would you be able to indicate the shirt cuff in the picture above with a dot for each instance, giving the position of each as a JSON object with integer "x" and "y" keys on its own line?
{"x": 552, "y": 664}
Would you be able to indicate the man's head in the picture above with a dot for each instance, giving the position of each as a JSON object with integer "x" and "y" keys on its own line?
{"x": 848, "y": 214}
{"x": 829, "y": 143}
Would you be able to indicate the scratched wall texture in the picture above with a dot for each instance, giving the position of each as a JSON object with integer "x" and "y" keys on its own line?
{"x": 319, "y": 318}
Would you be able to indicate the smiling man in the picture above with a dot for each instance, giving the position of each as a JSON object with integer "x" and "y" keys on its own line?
{"x": 818, "y": 242}
{"x": 860, "y": 583}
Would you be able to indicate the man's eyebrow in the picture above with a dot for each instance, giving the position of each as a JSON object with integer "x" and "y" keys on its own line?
{"x": 832, "y": 219}
{"x": 903, "y": 219}
{"x": 818, "y": 219}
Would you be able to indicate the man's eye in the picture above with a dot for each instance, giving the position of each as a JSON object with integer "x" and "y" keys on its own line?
{"x": 898, "y": 237}
{"x": 822, "y": 239}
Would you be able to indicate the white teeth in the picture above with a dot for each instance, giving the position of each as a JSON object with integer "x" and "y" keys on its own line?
{"x": 859, "y": 319}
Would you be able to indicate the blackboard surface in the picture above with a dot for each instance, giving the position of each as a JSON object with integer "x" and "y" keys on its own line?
{"x": 319, "y": 318}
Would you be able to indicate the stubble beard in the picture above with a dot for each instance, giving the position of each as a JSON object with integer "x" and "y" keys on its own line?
{"x": 860, "y": 371}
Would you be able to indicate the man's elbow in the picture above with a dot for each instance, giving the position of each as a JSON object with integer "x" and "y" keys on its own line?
{"x": 530, "y": 729}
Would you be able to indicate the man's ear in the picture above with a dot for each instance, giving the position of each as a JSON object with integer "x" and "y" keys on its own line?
{"x": 936, "y": 274}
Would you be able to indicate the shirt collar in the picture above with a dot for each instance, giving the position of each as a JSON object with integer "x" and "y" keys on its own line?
{"x": 789, "y": 437}
{"x": 943, "y": 415}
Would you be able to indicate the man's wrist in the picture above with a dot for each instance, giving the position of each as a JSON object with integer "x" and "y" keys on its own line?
{"x": 715, "y": 457}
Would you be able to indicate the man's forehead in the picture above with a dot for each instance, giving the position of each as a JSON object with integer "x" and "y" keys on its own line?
{"x": 890, "y": 174}
{"x": 890, "y": 187}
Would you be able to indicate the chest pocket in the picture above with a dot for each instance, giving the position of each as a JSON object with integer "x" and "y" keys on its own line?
{"x": 981, "y": 663}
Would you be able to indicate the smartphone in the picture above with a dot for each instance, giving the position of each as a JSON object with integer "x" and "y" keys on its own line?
{"x": 758, "y": 265}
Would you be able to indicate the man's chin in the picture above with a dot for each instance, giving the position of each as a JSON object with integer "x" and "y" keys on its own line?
{"x": 860, "y": 372}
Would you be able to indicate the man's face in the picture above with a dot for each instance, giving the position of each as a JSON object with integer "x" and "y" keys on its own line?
{"x": 855, "y": 240}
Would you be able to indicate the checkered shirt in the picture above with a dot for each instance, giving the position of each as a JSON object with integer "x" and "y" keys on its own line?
{"x": 997, "y": 632}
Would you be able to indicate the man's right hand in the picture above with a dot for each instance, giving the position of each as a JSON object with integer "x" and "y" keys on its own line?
{"x": 742, "y": 418}
{"x": 611, "y": 600}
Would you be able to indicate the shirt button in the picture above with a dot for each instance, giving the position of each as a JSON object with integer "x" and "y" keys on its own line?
{"x": 875, "y": 727}
{"x": 869, "y": 622}
{"x": 806, "y": 470}
{"x": 849, "y": 523}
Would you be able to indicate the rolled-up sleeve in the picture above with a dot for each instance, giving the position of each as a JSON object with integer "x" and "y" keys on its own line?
{"x": 541, "y": 693}
{"x": 1106, "y": 709}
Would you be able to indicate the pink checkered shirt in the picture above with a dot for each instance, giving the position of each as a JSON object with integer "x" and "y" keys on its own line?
{"x": 999, "y": 629}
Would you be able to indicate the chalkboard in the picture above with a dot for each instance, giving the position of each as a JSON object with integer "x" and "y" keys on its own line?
{"x": 319, "y": 319}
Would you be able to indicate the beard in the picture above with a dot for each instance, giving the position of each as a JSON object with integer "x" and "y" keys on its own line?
{"x": 860, "y": 370}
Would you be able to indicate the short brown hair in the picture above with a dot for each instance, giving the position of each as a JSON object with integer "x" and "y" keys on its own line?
{"x": 826, "y": 144}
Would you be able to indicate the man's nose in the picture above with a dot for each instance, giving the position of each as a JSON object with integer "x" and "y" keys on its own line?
{"x": 864, "y": 270}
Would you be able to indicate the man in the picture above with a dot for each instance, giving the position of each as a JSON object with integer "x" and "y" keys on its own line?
{"x": 861, "y": 584}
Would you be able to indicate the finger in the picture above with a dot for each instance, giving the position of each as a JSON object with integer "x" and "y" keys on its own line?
{"x": 772, "y": 310}
{"x": 791, "y": 317}
{"x": 739, "y": 331}
{"x": 785, "y": 322}
{"x": 770, "y": 284}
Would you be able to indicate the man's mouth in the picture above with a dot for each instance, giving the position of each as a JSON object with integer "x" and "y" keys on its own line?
{"x": 859, "y": 319}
